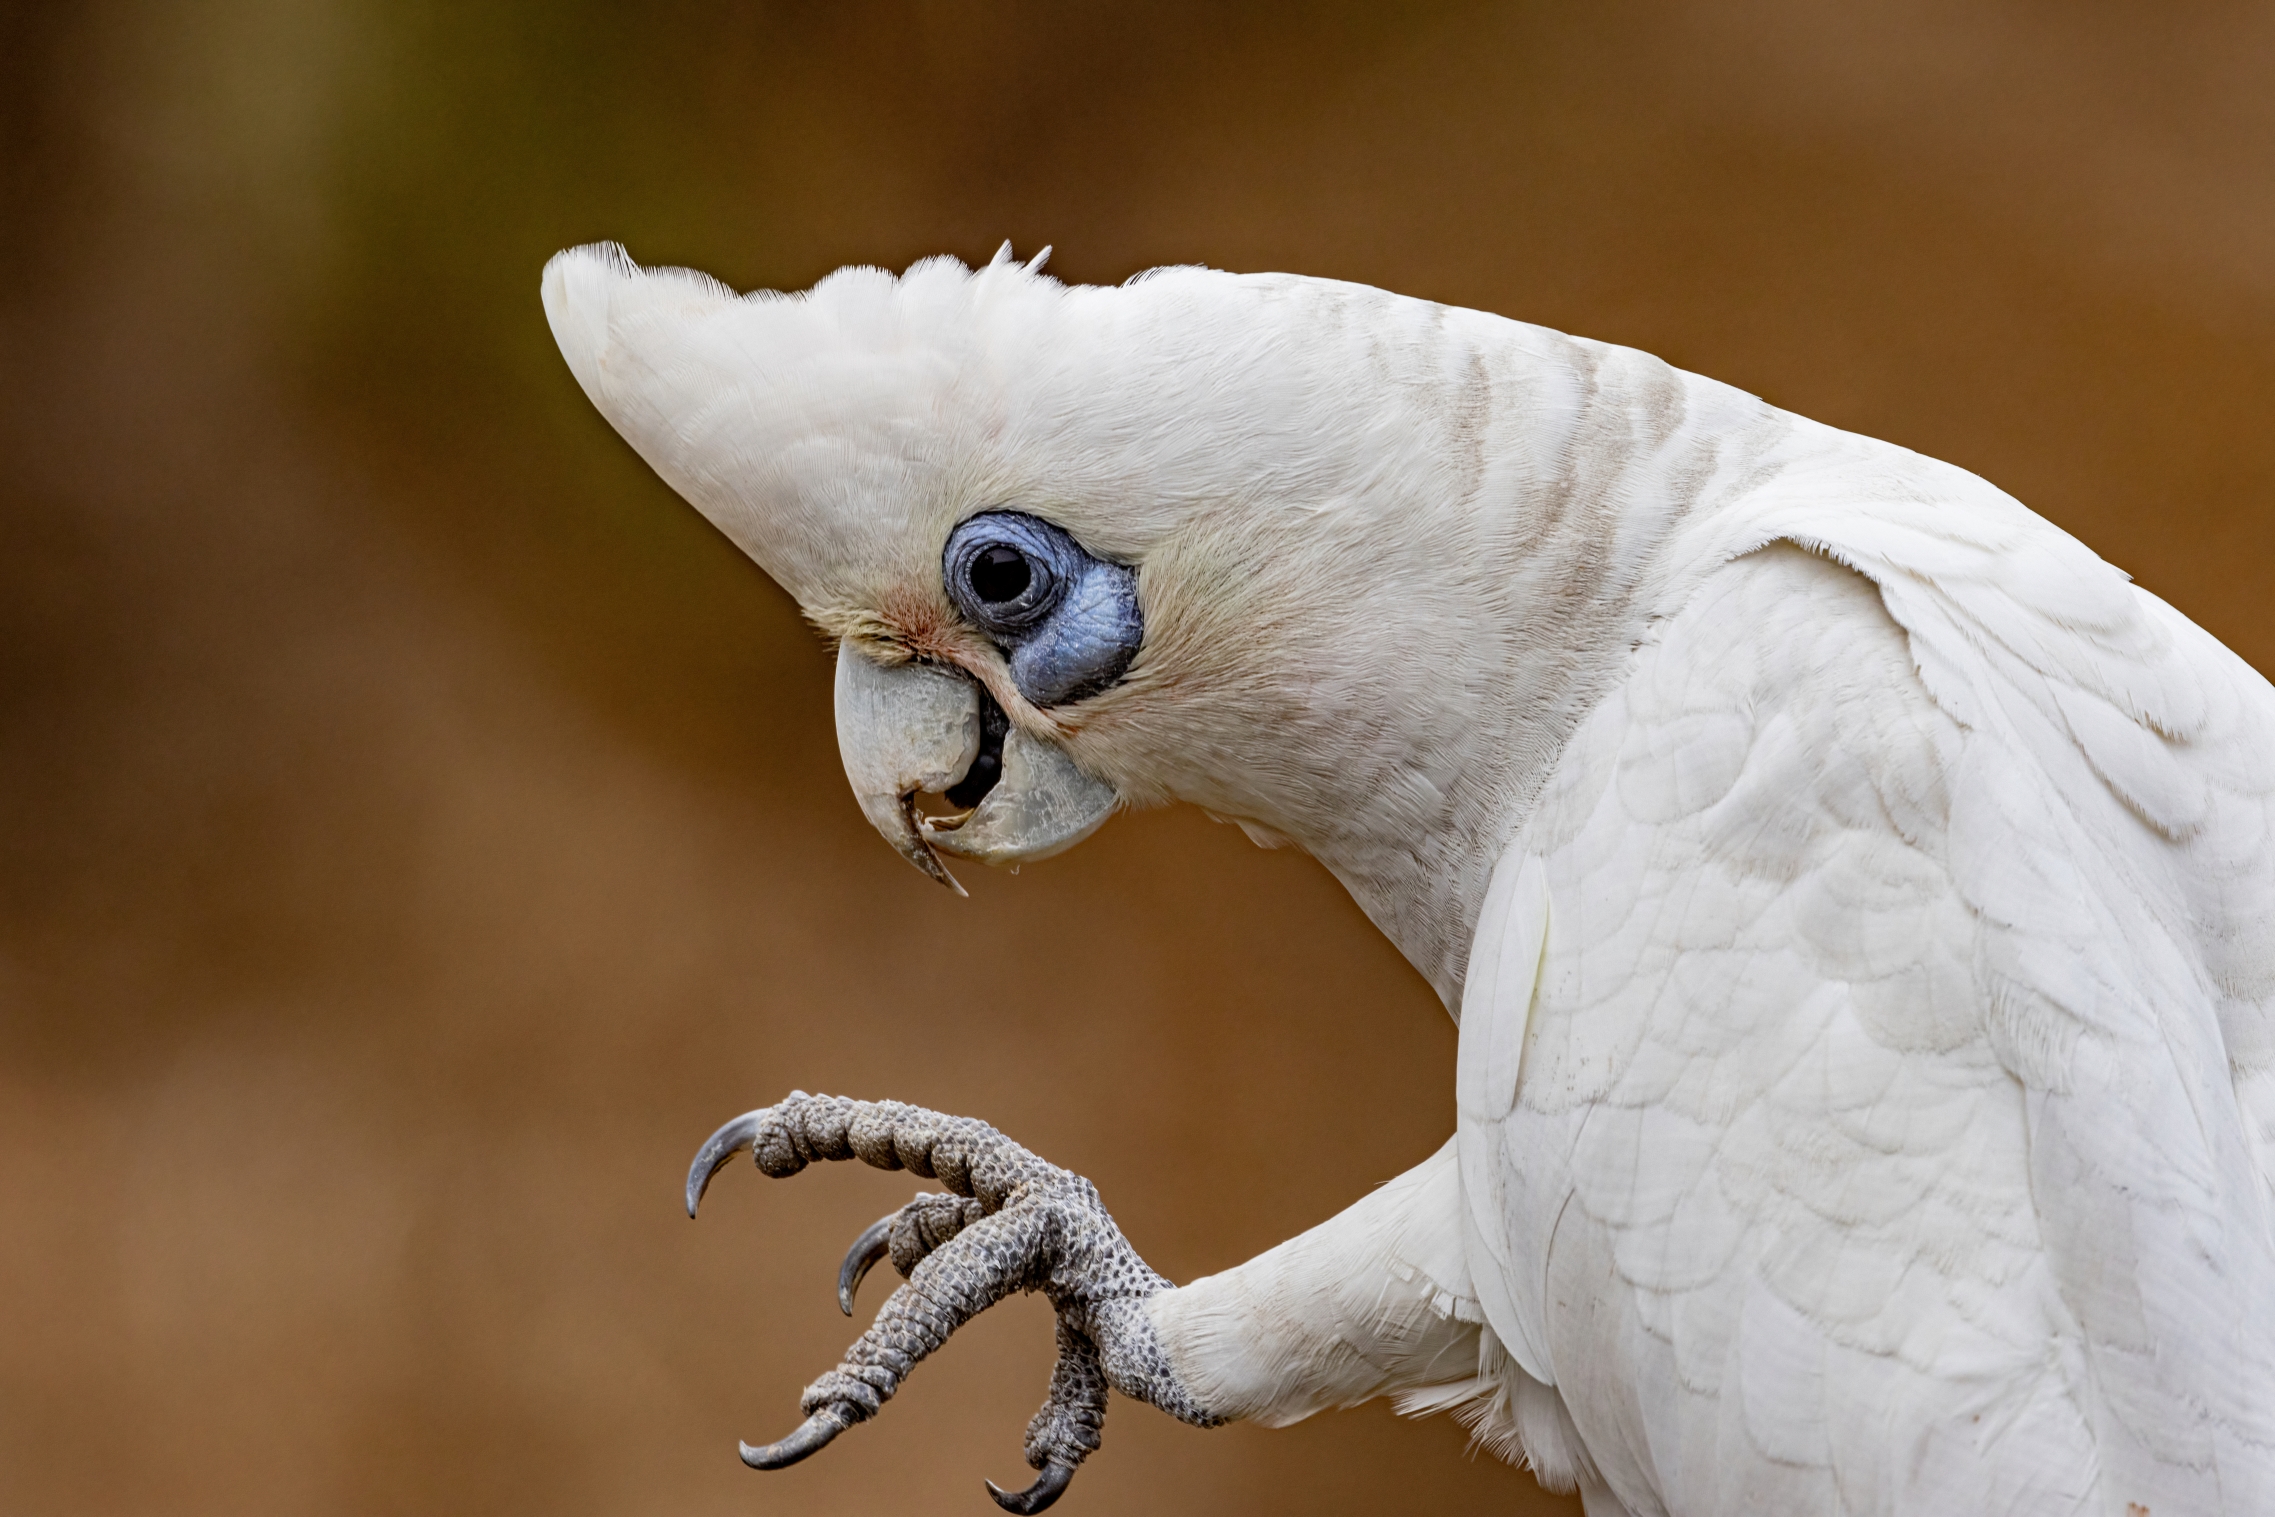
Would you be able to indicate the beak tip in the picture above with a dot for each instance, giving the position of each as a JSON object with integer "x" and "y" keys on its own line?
{"x": 927, "y": 860}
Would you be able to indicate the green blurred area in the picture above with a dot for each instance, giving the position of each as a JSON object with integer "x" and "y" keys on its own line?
{"x": 417, "y": 829}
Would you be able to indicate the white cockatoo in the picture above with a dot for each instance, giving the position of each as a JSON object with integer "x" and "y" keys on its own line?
{"x": 1857, "y": 899}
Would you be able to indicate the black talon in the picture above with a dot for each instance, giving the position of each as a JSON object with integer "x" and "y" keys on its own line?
{"x": 721, "y": 1146}
{"x": 1048, "y": 1487}
{"x": 812, "y": 1436}
{"x": 875, "y": 1242}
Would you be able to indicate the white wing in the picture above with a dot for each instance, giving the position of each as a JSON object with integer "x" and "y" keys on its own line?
{"x": 1893, "y": 1123}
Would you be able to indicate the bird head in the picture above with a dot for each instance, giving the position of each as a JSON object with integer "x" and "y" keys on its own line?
{"x": 1300, "y": 552}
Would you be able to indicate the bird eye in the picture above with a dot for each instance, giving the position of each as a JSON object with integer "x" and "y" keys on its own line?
{"x": 1067, "y": 622}
{"x": 999, "y": 574}
{"x": 1007, "y": 571}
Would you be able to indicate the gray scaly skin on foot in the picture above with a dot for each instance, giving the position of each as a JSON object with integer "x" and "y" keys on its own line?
{"x": 1013, "y": 1222}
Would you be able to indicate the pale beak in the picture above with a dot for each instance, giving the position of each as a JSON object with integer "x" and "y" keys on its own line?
{"x": 906, "y": 729}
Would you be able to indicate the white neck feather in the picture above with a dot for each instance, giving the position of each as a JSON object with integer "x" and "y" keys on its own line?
{"x": 1510, "y": 563}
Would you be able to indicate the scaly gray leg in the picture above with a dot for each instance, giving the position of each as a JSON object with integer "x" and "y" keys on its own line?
{"x": 1012, "y": 1223}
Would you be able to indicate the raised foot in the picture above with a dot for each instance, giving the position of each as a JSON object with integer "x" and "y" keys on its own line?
{"x": 1011, "y": 1222}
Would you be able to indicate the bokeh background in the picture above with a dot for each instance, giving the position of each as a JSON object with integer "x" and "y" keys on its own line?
{"x": 418, "y": 830}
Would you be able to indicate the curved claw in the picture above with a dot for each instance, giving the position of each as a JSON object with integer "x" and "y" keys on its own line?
{"x": 721, "y": 1146}
{"x": 812, "y": 1436}
{"x": 1048, "y": 1487}
{"x": 875, "y": 1242}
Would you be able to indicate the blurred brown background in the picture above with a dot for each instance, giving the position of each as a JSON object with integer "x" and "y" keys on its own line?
{"x": 417, "y": 829}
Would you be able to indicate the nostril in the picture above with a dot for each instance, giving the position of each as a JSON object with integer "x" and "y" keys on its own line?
{"x": 987, "y": 768}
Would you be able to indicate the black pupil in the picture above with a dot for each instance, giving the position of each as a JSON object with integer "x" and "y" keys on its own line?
{"x": 998, "y": 574}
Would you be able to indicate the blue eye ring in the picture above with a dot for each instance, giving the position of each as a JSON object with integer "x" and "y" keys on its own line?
{"x": 1067, "y": 622}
